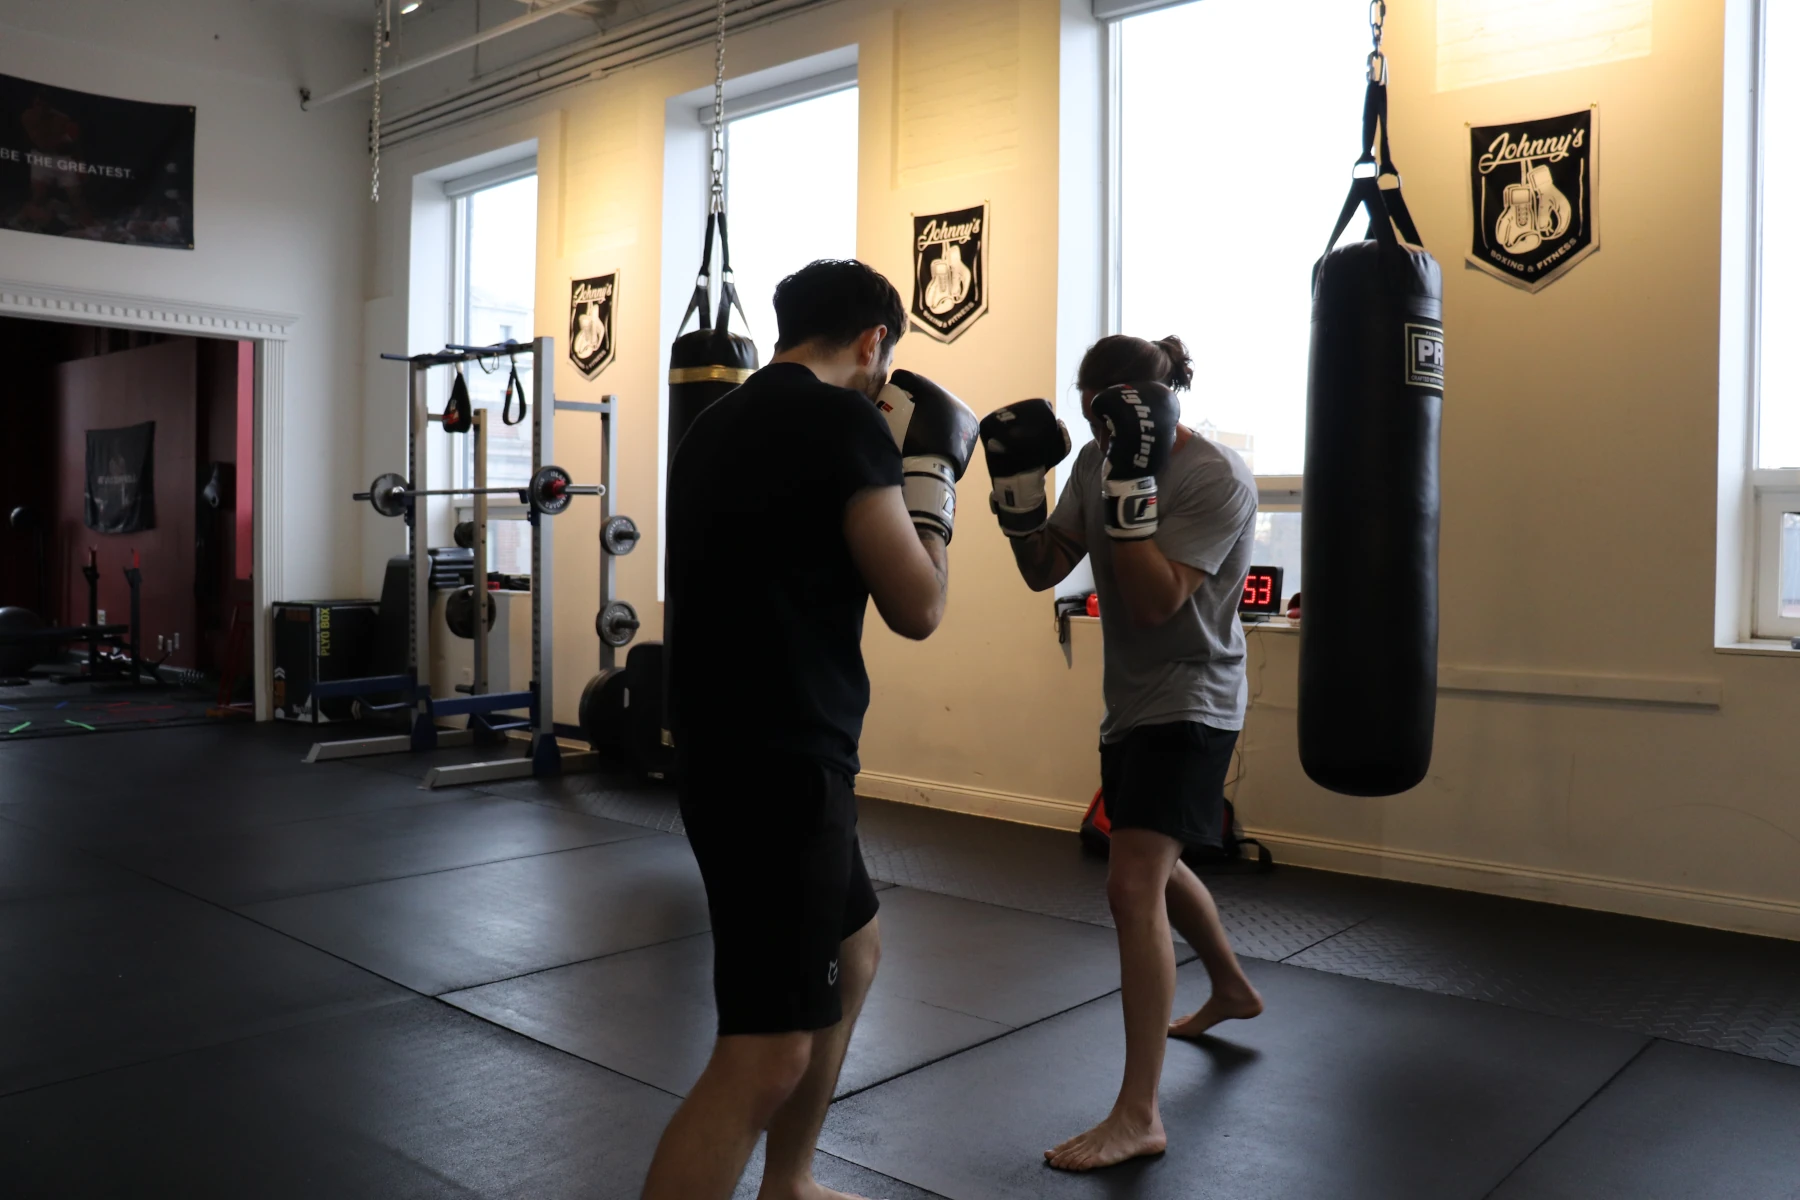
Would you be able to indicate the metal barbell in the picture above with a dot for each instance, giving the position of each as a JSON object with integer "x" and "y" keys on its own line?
{"x": 549, "y": 492}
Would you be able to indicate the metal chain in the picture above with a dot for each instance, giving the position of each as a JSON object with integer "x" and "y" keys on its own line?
{"x": 1377, "y": 60}
{"x": 375, "y": 114}
{"x": 718, "y": 129}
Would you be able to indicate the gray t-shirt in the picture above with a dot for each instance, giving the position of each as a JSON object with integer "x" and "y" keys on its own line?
{"x": 1191, "y": 667}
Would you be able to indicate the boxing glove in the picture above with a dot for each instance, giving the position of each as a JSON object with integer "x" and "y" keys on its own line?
{"x": 1140, "y": 419}
{"x": 1022, "y": 442}
{"x": 936, "y": 434}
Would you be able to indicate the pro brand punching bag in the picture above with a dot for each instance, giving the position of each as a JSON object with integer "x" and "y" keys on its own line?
{"x": 711, "y": 360}
{"x": 1369, "y": 544}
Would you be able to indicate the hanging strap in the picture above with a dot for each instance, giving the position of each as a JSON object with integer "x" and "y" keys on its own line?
{"x": 458, "y": 413}
{"x": 513, "y": 386}
{"x": 1386, "y": 205}
{"x": 728, "y": 294}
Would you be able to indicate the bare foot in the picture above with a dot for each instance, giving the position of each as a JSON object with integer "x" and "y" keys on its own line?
{"x": 1113, "y": 1141}
{"x": 810, "y": 1190}
{"x": 1218, "y": 1007}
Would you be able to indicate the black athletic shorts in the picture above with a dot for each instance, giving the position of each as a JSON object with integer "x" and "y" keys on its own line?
{"x": 775, "y": 837}
{"x": 1169, "y": 778}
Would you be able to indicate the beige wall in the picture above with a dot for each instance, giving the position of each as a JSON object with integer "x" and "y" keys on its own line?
{"x": 1580, "y": 463}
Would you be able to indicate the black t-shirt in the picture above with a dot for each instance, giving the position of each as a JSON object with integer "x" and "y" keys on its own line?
{"x": 765, "y": 605}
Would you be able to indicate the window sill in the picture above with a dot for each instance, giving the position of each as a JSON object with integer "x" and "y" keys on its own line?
{"x": 1765, "y": 649}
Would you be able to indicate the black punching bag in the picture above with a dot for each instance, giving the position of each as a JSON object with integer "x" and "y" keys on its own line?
{"x": 1369, "y": 543}
{"x": 709, "y": 361}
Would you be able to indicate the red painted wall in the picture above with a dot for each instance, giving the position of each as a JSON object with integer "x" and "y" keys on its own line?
{"x": 156, "y": 383}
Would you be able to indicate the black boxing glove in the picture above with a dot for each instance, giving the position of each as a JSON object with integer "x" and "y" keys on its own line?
{"x": 1141, "y": 418}
{"x": 1022, "y": 441}
{"x": 936, "y": 434}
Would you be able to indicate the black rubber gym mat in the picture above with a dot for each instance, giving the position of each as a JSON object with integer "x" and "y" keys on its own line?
{"x": 411, "y": 1100}
{"x": 1342, "y": 1090}
{"x": 649, "y": 1014}
{"x": 111, "y": 818}
{"x": 838, "y": 1174}
{"x": 613, "y": 794}
{"x": 36, "y": 867}
{"x": 461, "y": 928}
{"x": 96, "y": 978}
{"x": 1702, "y": 986}
{"x": 247, "y": 866}
{"x": 1677, "y": 1124}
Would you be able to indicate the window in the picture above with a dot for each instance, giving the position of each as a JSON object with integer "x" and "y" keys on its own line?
{"x": 788, "y": 203}
{"x": 1777, "y": 442}
{"x": 1218, "y": 224}
{"x": 494, "y": 255}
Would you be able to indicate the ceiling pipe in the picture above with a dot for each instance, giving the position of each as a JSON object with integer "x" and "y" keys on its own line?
{"x": 309, "y": 102}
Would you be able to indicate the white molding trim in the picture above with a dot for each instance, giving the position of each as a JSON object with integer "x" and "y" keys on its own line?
{"x": 1580, "y": 685}
{"x": 269, "y": 330}
{"x": 1690, "y": 906}
{"x": 979, "y": 802}
{"x": 45, "y": 302}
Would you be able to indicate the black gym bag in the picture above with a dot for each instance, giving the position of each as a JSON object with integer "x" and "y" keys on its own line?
{"x": 1227, "y": 858}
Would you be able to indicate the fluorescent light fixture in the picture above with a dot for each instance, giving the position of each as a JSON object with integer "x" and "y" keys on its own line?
{"x": 411, "y": 6}
{"x": 1486, "y": 41}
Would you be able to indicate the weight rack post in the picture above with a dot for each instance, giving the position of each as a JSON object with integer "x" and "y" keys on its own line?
{"x": 418, "y": 425}
{"x": 609, "y": 467}
{"x": 546, "y": 756}
{"x": 478, "y": 677}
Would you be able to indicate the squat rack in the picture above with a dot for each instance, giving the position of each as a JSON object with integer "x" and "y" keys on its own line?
{"x": 544, "y": 756}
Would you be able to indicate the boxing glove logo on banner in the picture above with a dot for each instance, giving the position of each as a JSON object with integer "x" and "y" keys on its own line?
{"x": 1531, "y": 192}
{"x": 949, "y": 271}
{"x": 591, "y": 306}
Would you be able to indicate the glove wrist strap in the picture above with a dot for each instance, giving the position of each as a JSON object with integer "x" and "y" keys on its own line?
{"x": 1130, "y": 507}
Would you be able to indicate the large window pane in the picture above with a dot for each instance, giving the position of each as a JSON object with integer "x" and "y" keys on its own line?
{"x": 499, "y": 280}
{"x": 790, "y": 190}
{"x": 1779, "y": 426}
{"x": 1788, "y": 599}
{"x": 1240, "y": 120}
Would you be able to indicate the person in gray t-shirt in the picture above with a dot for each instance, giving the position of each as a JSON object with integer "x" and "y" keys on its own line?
{"x": 1168, "y": 518}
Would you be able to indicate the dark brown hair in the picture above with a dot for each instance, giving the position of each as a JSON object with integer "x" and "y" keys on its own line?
{"x": 835, "y": 301}
{"x": 1120, "y": 358}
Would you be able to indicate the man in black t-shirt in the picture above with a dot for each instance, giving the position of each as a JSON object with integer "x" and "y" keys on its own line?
{"x": 816, "y": 486}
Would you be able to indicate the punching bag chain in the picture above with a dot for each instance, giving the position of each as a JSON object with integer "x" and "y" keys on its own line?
{"x": 381, "y": 37}
{"x": 718, "y": 129}
{"x": 1377, "y": 60}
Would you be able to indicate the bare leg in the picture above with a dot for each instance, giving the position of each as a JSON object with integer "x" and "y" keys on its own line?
{"x": 794, "y": 1132}
{"x": 708, "y": 1141}
{"x": 1196, "y": 918}
{"x": 1141, "y": 862}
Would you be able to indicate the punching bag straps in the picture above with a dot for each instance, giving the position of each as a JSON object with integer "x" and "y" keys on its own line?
{"x": 728, "y": 295}
{"x": 700, "y": 301}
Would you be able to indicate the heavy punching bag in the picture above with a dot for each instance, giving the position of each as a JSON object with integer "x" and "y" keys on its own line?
{"x": 1369, "y": 544}
{"x": 709, "y": 361}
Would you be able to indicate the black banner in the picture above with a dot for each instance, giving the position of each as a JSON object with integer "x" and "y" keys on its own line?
{"x": 1531, "y": 191}
{"x": 73, "y": 164}
{"x": 592, "y": 304}
{"x": 949, "y": 271}
{"x": 121, "y": 479}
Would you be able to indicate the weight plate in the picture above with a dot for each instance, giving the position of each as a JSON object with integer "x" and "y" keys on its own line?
{"x": 617, "y": 623}
{"x": 549, "y": 490}
{"x": 603, "y": 715}
{"x": 619, "y": 535}
{"x": 385, "y": 494}
{"x": 459, "y": 611}
{"x": 464, "y": 534}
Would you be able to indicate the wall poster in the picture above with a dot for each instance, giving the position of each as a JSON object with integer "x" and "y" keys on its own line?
{"x": 1531, "y": 194}
{"x": 121, "y": 484}
{"x": 73, "y": 164}
{"x": 592, "y": 343}
{"x": 949, "y": 271}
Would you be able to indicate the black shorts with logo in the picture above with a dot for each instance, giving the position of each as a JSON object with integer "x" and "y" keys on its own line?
{"x": 775, "y": 836}
{"x": 1170, "y": 779}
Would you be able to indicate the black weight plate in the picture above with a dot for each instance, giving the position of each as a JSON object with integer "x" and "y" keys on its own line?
{"x": 464, "y": 535}
{"x": 617, "y": 623}
{"x": 603, "y": 716}
{"x": 384, "y": 494}
{"x": 619, "y": 535}
{"x": 459, "y": 611}
{"x": 549, "y": 490}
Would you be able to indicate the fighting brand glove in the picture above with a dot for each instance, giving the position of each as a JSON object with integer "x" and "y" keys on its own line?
{"x": 1141, "y": 418}
{"x": 936, "y": 434}
{"x": 1023, "y": 441}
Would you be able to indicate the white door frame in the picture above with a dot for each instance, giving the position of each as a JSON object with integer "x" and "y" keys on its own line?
{"x": 269, "y": 332}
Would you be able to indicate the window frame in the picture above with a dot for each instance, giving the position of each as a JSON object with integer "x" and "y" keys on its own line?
{"x": 460, "y": 193}
{"x": 1275, "y": 493}
{"x": 1772, "y": 492}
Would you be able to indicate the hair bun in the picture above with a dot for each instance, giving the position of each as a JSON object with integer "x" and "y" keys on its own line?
{"x": 1181, "y": 367}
